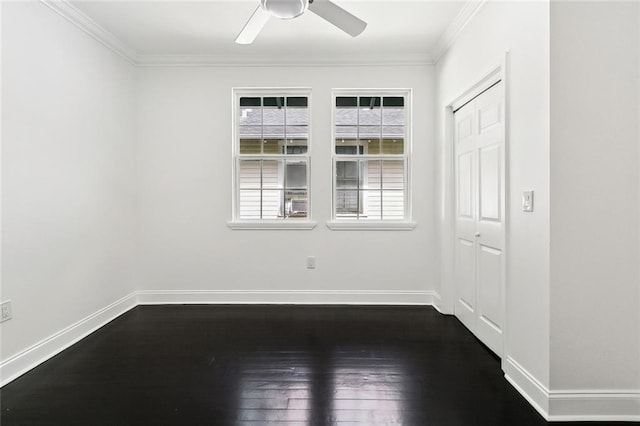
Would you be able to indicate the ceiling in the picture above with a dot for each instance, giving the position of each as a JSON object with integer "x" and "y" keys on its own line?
{"x": 398, "y": 30}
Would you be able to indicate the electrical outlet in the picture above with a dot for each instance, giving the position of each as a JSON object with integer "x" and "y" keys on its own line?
{"x": 527, "y": 201}
{"x": 6, "y": 311}
{"x": 311, "y": 262}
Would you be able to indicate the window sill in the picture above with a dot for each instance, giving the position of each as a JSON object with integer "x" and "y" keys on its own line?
{"x": 268, "y": 225}
{"x": 352, "y": 225}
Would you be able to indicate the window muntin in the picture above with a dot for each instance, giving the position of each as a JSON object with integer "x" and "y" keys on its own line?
{"x": 272, "y": 155}
{"x": 370, "y": 154}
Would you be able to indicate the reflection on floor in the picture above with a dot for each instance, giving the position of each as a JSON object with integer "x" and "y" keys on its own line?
{"x": 343, "y": 388}
{"x": 261, "y": 365}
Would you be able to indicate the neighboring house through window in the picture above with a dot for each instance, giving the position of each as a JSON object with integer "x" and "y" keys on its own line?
{"x": 271, "y": 155}
{"x": 371, "y": 155}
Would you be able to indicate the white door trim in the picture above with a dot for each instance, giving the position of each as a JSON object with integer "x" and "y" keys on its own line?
{"x": 490, "y": 78}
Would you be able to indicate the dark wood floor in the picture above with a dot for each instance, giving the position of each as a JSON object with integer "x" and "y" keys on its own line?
{"x": 258, "y": 365}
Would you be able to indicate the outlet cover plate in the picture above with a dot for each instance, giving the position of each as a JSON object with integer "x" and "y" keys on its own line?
{"x": 5, "y": 309}
{"x": 311, "y": 262}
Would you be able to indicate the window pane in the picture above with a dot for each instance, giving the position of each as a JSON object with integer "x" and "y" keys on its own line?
{"x": 273, "y": 146}
{"x": 389, "y": 132}
{"x": 371, "y": 205}
{"x": 296, "y": 146}
{"x": 393, "y": 116}
{"x": 251, "y": 132}
{"x": 272, "y": 203}
{"x": 297, "y": 101}
{"x": 273, "y": 132}
{"x": 273, "y": 102}
{"x": 249, "y": 174}
{"x": 346, "y": 116}
{"x": 393, "y": 204}
{"x": 272, "y": 174}
{"x": 347, "y": 146}
{"x": 347, "y": 174}
{"x": 370, "y": 116}
{"x": 347, "y": 203}
{"x": 370, "y": 102}
{"x": 249, "y": 207}
{"x": 393, "y": 101}
{"x": 346, "y": 101}
{"x": 297, "y": 116}
{"x": 372, "y": 145}
{"x": 393, "y": 111}
{"x": 297, "y": 132}
{"x": 250, "y": 114}
{"x": 296, "y": 204}
{"x": 250, "y": 146}
{"x": 272, "y": 116}
{"x": 296, "y": 174}
{"x": 346, "y": 111}
{"x": 372, "y": 174}
{"x": 346, "y": 132}
{"x": 250, "y": 102}
{"x": 393, "y": 174}
{"x": 369, "y": 132}
{"x": 393, "y": 146}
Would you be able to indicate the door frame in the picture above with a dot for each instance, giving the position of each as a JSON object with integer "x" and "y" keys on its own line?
{"x": 496, "y": 74}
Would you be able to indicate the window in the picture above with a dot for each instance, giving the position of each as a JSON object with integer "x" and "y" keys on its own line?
{"x": 271, "y": 154}
{"x": 371, "y": 156}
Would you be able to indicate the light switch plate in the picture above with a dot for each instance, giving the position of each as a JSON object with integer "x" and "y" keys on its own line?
{"x": 527, "y": 201}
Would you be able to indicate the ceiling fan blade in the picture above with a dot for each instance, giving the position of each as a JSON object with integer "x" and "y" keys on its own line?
{"x": 253, "y": 26}
{"x": 339, "y": 17}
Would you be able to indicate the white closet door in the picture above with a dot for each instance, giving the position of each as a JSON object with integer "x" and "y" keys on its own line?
{"x": 479, "y": 153}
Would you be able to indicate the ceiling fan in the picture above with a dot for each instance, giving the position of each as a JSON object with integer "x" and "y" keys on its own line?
{"x": 289, "y": 9}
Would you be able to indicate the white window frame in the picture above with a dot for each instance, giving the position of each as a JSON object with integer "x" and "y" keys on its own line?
{"x": 349, "y": 224}
{"x": 267, "y": 224}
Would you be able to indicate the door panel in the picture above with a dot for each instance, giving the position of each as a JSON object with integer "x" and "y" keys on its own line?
{"x": 466, "y": 299}
{"x": 465, "y": 127}
{"x": 488, "y": 114}
{"x": 490, "y": 183}
{"x": 466, "y": 272}
{"x": 465, "y": 185}
{"x": 479, "y": 152}
{"x": 490, "y": 284}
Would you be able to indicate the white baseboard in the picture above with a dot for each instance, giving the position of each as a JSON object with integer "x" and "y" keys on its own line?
{"x": 529, "y": 387}
{"x": 35, "y": 355}
{"x": 594, "y": 405}
{"x": 17, "y": 365}
{"x": 573, "y": 405}
{"x": 437, "y": 304}
{"x": 281, "y": 297}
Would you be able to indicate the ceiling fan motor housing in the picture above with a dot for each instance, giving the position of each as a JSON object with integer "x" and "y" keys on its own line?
{"x": 285, "y": 9}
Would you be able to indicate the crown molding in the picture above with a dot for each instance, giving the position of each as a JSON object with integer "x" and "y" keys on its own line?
{"x": 93, "y": 29}
{"x": 65, "y": 9}
{"x": 454, "y": 29}
{"x": 270, "y": 61}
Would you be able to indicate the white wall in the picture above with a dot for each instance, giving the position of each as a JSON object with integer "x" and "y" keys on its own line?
{"x": 184, "y": 133}
{"x": 522, "y": 28}
{"x": 595, "y": 196}
{"x": 67, "y": 168}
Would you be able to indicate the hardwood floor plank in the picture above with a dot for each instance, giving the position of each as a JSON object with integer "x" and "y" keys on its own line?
{"x": 270, "y": 365}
